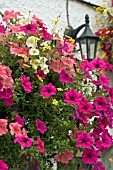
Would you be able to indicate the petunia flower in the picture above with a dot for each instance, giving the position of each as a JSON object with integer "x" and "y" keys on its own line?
{"x": 64, "y": 157}
{"x": 24, "y": 141}
{"x": 40, "y": 73}
{"x": 8, "y": 101}
{"x": 31, "y": 42}
{"x": 48, "y": 90}
{"x": 84, "y": 140}
{"x": 65, "y": 77}
{"x": 3, "y": 126}
{"x": 57, "y": 65}
{"x": 72, "y": 97}
{"x": 90, "y": 156}
{"x": 34, "y": 51}
{"x": 26, "y": 84}
{"x": 100, "y": 103}
{"x": 41, "y": 126}
{"x": 29, "y": 28}
{"x": 40, "y": 145}
{"x": 99, "y": 64}
{"x": 3, "y": 165}
{"x": 15, "y": 128}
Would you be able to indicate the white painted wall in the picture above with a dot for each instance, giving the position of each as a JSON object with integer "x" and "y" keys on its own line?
{"x": 48, "y": 10}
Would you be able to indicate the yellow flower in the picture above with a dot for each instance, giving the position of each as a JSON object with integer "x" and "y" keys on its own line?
{"x": 104, "y": 55}
{"x": 56, "y": 22}
{"x": 66, "y": 27}
{"x": 100, "y": 9}
{"x": 102, "y": 38}
{"x": 101, "y": 24}
{"x": 59, "y": 89}
{"x": 110, "y": 159}
{"x": 59, "y": 15}
{"x": 29, "y": 11}
{"x": 99, "y": 47}
{"x": 47, "y": 47}
{"x": 107, "y": 32}
{"x": 55, "y": 102}
{"x": 97, "y": 22}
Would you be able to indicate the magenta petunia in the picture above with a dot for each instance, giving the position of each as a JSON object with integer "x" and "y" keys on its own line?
{"x": 40, "y": 73}
{"x": 26, "y": 84}
{"x": 72, "y": 97}
{"x": 103, "y": 142}
{"x": 99, "y": 64}
{"x": 85, "y": 107}
{"x": 48, "y": 90}
{"x": 29, "y": 28}
{"x": 99, "y": 166}
{"x": 41, "y": 126}
{"x": 40, "y": 145}
{"x": 19, "y": 120}
{"x": 24, "y": 141}
{"x": 8, "y": 101}
{"x": 6, "y": 93}
{"x": 3, "y": 165}
{"x": 84, "y": 140}
{"x": 65, "y": 77}
{"x": 2, "y": 28}
{"x": 101, "y": 103}
{"x": 90, "y": 156}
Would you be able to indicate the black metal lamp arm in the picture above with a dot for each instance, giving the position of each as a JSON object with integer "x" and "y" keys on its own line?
{"x": 73, "y": 32}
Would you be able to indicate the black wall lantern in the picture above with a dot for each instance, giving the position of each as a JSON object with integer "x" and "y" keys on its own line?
{"x": 87, "y": 41}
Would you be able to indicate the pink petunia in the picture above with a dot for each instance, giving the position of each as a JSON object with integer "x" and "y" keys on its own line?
{"x": 65, "y": 77}
{"x": 1, "y": 28}
{"x": 85, "y": 107}
{"x": 3, "y": 165}
{"x": 41, "y": 126}
{"x": 64, "y": 157}
{"x": 84, "y": 140}
{"x": 90, "y": 156}
{"x": 40, "y": 145}
{"x": 68, "y": 62}
{"x": 99, "y": 64}
{"x": 48, "y": 90}
{"x": 15, "y": 128}
{"x": 100, "y": 103}
{"x": 40, "y": 73}
{"x": 6, "y": 93}
{"x": 57, "y": 65}
{"x": 3, "y": 126}
{"x": 29, "y": 28}
{"x": 8, "y": 101}
{"x": 24, "y": 141}
{"x": 72, "y": 97}
{"x": 99, "y": 166}
{"x": 26, "y": 84}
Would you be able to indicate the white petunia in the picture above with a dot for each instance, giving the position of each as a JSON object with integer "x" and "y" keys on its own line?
{"x": 34, "y": 51}
{"x": 21, "y": 35}
{"x": 42, "y": 60}
{"x": 23, "y": 21}
{"x": 44, "y": 67}
{"x": 34, "y": 64}
{"x": 31, "y": 42}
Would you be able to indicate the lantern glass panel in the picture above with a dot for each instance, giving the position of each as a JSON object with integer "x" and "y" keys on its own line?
{"x": 88, "y": 48}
